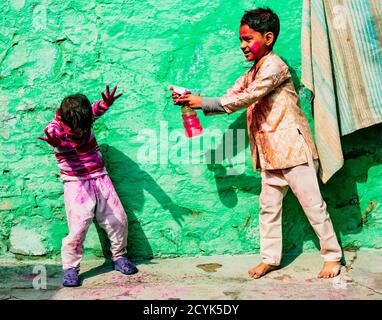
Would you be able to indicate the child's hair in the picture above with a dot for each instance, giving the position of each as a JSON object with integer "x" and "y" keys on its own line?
{"x": 262, "y": 20}
{"x": 76, "y": 112}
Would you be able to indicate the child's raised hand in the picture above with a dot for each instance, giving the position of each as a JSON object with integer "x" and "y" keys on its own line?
{"x": 109, "y": 98}
{"x": 56, "y": 141}
{"x": 53, "y": 141}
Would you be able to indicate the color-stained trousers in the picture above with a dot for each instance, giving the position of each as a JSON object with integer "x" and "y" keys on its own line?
{"x": 84, "y": 200}
{"x": 302, "y": 180}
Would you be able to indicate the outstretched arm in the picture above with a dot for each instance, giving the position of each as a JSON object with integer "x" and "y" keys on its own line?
{"x": 56, "y": 136}
{"x": 210, "y": 106}
{"x": 101, "y": 106}
{"x": 239, "y": 96}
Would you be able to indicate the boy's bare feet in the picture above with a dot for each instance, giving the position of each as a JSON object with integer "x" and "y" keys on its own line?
{"x": 261, "y": 270}
{"x": 330, "y": 269}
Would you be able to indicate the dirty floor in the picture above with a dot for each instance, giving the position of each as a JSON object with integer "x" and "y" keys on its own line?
{"x": 197, "y": 278}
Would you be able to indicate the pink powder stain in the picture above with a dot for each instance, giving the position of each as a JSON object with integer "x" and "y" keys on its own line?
{"x": 243, "y": 30}
{"x": 172, "y": 293}
{"x": 255, "y": 48}
{"x": 138, "y": 290}
{"x": 127, "y": 292}
{"x": 165, "y": 292}
{"x": 82, "y": 197}
{"x": 28, "y": 276}
{"x": 134, "y": 291}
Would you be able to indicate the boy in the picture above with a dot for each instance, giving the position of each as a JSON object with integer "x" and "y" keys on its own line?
{"x": 280, "y": 139}
{"x": 88, "y": 190}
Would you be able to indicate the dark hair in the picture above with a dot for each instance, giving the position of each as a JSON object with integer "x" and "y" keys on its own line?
{"x": 262, "y": 20}
{"x": 76, "y": 112}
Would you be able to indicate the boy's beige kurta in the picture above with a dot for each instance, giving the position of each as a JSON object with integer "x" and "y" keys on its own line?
{"x": 274, "y": 115}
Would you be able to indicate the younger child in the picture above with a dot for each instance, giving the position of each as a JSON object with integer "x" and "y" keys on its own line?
{"x": 88, "y": 190}
{"x": 280, "y": 139}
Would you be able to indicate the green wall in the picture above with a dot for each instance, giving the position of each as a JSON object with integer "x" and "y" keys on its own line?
{"x": 176, "y": 204}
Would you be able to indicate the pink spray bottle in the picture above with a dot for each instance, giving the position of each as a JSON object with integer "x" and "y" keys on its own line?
{"x": 191, "y": 121}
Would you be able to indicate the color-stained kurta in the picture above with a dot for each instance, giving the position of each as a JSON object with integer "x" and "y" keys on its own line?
{"x": 274, "y": 115}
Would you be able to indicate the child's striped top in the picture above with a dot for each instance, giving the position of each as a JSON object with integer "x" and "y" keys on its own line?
{"x": 83, "y": 161}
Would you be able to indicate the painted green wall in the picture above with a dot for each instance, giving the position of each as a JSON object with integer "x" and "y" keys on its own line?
{"x": 49, "y": 49}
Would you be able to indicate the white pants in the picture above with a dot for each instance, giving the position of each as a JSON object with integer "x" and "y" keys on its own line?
{"x": 84, "y": 201}
{"x": 302, "y": 179}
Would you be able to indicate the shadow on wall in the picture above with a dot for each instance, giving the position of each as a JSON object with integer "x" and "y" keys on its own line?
{"x": 226, "y": 183}
{"x": 362, "y": 150}
{"x": 130, "y": 181}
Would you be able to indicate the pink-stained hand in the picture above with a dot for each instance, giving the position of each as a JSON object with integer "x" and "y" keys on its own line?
{"x": 176, "y": 96}
{"x": 109, "y": 98}
{"x": 56, "y": 141}
{"x": 194, "y": 101}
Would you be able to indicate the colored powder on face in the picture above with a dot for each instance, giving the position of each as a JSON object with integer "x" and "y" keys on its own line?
{"x": 255, "y": 48}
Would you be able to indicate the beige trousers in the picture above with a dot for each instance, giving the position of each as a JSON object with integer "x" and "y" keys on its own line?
{"x": 302, "y": 179}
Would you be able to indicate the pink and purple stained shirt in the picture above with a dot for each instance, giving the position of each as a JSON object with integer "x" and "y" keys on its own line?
{"x": 83, "y": 161}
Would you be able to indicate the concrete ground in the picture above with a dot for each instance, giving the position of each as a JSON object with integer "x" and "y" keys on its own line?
{"x": 197, "y": 278}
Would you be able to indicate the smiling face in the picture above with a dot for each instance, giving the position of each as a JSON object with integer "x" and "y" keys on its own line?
{"x": 254, "y": 44}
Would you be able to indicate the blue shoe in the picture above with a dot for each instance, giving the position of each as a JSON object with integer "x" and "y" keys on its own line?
{"x": 125, "y": 266}
{"x": 70, "y": 278}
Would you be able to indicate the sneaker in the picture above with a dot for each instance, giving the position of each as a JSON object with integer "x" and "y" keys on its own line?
{"x": 125, "y": 266}
{"x": 70, "y": 278}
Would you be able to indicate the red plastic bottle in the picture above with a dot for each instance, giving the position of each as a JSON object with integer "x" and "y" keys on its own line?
{"x": 191, "y": 122}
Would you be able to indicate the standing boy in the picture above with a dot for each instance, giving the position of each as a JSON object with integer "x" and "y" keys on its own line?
{"x": 280, "y": 138}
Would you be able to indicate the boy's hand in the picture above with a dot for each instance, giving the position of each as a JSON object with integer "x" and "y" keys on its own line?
{"x": 56, "y": 141}
{"x": 190, "y": 100}
{"x": 175, "y": 95}
{"x": 109, "y": 98}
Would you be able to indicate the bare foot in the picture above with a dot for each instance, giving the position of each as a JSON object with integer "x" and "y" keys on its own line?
{"x": 261, "y": 270}
{"x": 330, "y": 269}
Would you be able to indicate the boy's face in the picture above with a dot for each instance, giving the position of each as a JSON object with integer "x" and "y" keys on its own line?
{"x": 254, "y": 44}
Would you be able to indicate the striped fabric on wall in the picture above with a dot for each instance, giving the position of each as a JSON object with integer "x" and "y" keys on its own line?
{"x": 342, "y": 66}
